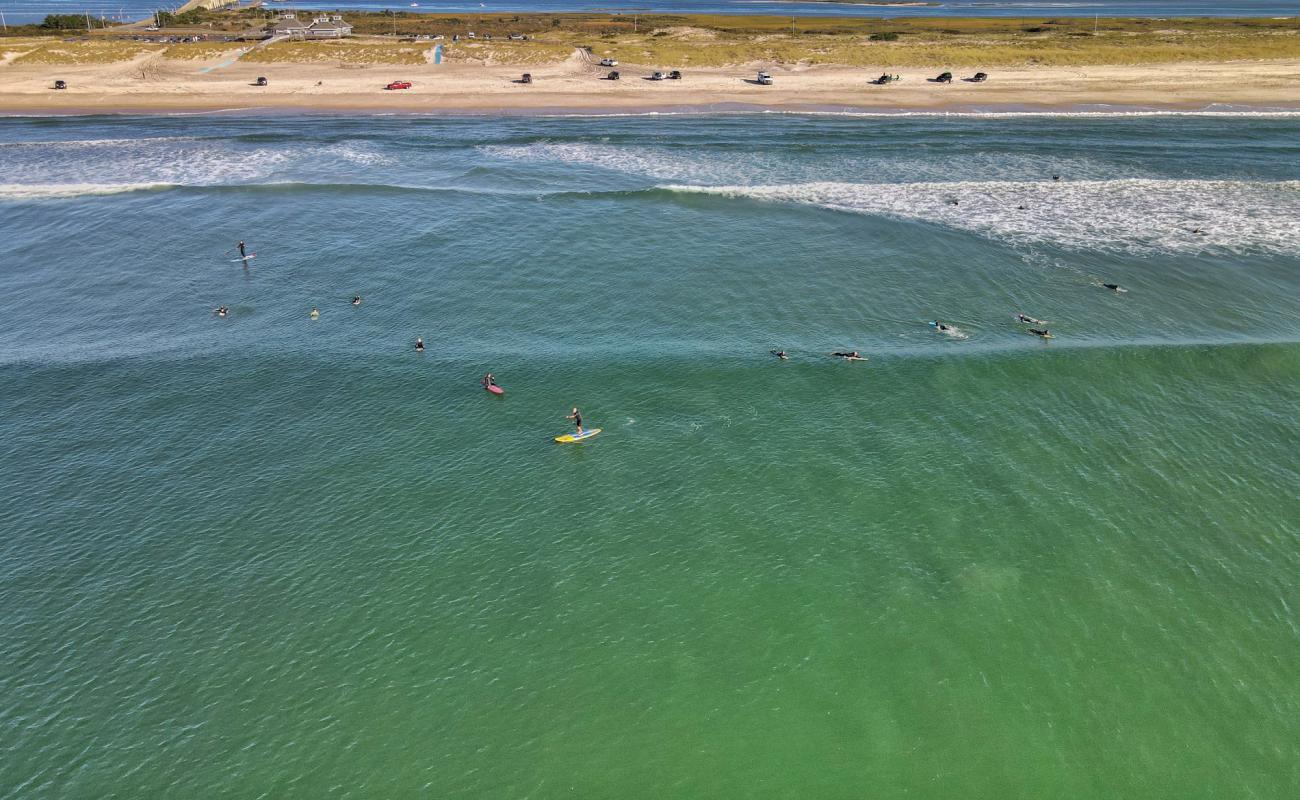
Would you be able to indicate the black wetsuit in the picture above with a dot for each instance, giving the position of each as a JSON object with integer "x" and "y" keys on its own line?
{"x": 577, "y": 420}
{"x": 242, "y": 254}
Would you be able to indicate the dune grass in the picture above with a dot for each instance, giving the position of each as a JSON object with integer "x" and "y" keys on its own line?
{"x": 966, "y": 51}
{"x": 507, "y": 52}
{"x": 343, "y": 51}
{"x": 204, "y": 51}
{"x": 85, "y": 52}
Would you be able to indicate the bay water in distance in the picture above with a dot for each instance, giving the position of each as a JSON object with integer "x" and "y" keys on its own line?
{"x": 267, "y": 555}
{"x": 34, "y": 10}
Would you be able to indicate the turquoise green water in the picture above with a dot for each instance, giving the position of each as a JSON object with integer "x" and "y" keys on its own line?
{"x": 266, "y": 556}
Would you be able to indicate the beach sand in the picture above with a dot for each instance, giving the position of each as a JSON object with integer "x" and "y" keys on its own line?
{"x": 150, "y": 83}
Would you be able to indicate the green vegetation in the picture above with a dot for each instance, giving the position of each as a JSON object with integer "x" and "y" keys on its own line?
{"x": 720, "y": 40}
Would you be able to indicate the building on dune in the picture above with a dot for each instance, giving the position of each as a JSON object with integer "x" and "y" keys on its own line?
{"x": 326, "y": 26}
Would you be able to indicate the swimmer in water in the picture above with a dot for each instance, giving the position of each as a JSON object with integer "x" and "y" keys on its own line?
{"x": 356, "y": 300}
{"x": 1042, "y": 333}
{"x": 419, "y": 345}
{"x": 779, "y": 354}
{"x": 222, "y": 311}
{"x": 315, "y": 312}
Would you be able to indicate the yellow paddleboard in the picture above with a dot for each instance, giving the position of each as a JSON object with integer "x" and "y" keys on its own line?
{"x": 569, "y": 437}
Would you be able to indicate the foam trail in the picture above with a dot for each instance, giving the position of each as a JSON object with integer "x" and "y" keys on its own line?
{"x": 54, "y": 191}
{"x": 1128, "y": 215}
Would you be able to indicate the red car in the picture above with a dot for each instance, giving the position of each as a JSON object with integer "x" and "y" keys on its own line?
{"x": 399, "y": 85}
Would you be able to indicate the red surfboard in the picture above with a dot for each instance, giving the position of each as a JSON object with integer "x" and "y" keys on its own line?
{"x": 494, "y": 389}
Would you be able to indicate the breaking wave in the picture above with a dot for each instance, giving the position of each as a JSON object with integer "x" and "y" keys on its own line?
{"x": 54, "y": 191}
{"x": 1128, "y": 215}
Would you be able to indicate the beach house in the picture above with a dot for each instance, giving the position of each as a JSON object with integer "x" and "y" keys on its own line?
{"x": 326, "y": 26}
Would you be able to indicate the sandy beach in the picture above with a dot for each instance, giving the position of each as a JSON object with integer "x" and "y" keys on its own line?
{"x": 152, "y": 83}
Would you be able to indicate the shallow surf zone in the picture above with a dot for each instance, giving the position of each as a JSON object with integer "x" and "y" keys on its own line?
{"x": 265, "y": 554}
{"x": 172, "y": 160}
{"x": 1131, "y": 215}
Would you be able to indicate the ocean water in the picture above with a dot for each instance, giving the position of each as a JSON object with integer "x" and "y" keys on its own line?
{"x": 271, "y": 556}
{"x": 35, "y": 10}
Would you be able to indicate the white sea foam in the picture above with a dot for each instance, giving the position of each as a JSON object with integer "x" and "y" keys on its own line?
{"x": 1130, "y": 215}
{"x": 51, "y": 191}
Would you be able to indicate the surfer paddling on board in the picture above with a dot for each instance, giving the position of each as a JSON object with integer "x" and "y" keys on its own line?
{"x": 1028, "y": 320}
{"x": 576, "y": 416}
{"x": 852, "y": 356}
{"x": 781, "y": 354}
{"x": 1115, "y": 287}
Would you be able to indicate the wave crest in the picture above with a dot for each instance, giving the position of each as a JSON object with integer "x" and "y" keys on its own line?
{"x": 1131, "y": 215}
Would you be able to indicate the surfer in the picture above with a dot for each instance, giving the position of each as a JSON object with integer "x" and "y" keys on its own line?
{"x": 356, "y": 300}
{"x": 242, "y": 254}
{"x": 941, "y": 327}
{"x": 779, "y": 354}
{"x": 1042, "y": 333}
{"x": 419, "y": 345}
{"x": 1115, "y": 287}
{"x": 488, "y": 380}
{"x": 315, "y": 312}
{"x": 1029, "y": 320}
{"x": 853, "y": 356}
{"x": 576, "y": 416}
{"x": 222, "y": 311}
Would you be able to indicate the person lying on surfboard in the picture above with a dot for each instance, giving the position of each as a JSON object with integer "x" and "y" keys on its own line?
{"x": 576, "y": 416}
{"x": 779, "y": 354}
{"x": 1042, "y": 333}
{"x": 356, "y": 300}
{"x": 850, "y": 356}
{"x": 1115, "y": 287}
{"x": 1028, "y": 320}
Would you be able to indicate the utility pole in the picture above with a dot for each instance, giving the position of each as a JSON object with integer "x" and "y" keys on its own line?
{"x": 792, "y": 31}
{"x": 3, "y": 24}
{"x": 1096, "y": 18}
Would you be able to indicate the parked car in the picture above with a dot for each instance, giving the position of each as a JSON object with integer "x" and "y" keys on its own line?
{"x": 945, "y": 77}
{"x": 398, "y": 85}
{"x": 612, "y": 76}
{"x": 979, "y": 77}
{"x": 60, "y": 84}
{"x": 608, "y": 62}
{"x": 152, "y": 28}
{"x": 517, "y": 37}
{"x": 765, "y": 78}
{"x": 527, "y": 78}
{"x": 260, "y": 82}
{"x": 658, "y": 76}
{"x": 675, "y": 75}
